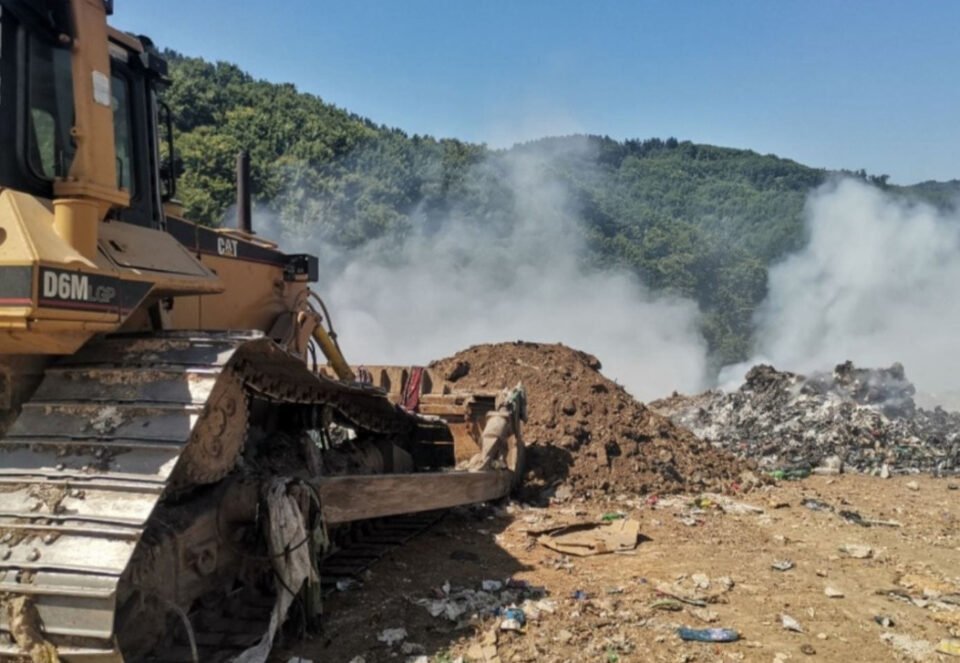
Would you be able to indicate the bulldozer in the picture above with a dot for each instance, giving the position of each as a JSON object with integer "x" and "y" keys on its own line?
{"x": 182, "y": 441}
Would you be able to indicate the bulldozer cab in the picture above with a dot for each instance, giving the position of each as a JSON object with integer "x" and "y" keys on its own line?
{"x": 38, "y": 109}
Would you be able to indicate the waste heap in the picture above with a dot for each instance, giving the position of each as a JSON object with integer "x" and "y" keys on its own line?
{"x": 584, "y": 433}
{"x": 856, "y": 418}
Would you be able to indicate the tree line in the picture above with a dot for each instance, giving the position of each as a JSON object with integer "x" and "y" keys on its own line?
{"x": 701, "y": 221}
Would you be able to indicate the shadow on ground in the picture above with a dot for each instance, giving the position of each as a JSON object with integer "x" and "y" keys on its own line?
{"x": 547, "y": 467}
{"x": 461, "y": 549}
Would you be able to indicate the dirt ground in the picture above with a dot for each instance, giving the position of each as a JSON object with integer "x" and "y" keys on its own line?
{"x": 682, "y": 546}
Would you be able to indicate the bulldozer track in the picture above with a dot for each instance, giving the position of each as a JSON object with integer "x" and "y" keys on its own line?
{"x": 109, "y": 433}
{"x": 226, "y": 630}
{"x": 372, "y": 541}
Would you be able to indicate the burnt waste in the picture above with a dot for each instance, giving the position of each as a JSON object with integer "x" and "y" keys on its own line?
{"x": 853, "y": 419}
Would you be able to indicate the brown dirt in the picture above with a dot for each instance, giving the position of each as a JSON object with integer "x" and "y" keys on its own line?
{"x": 616, "y": 623}
{"x": 585, "y": 431}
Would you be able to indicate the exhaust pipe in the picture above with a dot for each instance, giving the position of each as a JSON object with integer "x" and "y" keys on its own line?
{"x": 244, "y": 207}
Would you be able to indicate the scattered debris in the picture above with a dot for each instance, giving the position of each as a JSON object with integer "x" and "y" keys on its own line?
{"x": 950, "y": 647}
{"x": 913, "y": 648}
{"x": 513, "y": 619}
{"x": 683, "y": 599}
{"x": 728, "y": 505}
{"x": 816, "y": 505}
{"x": 884, "y": 621}
{"x": 857, "y": 551}
{"x": 853, "y": 517}
{"x": 848, "y": 515}
{"x": 708, "y": 635}
{"x": 782, "y": 565}
{"x": 832, "y": 593}
{"x": 808, "y": 649}
{"x": 857, "y": 519}
{"x": 790, "y": 624}
{"x": 667, "y": 604}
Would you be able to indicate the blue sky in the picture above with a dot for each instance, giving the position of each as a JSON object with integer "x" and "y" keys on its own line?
{"x": 838, "y": 84}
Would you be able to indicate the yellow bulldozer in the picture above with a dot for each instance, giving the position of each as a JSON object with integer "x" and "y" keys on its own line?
{"x": 181, "y": 440}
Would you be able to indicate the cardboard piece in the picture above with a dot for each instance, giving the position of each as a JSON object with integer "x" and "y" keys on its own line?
{"x": 584, "y": 539}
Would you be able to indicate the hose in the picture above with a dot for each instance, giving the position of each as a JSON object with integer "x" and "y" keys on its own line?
{"x": 326, "y": 318}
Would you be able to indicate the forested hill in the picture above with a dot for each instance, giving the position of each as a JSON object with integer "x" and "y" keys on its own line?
{"x": 699, "y": 220}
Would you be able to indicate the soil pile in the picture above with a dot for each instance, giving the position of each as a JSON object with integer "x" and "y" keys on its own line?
{"x": 585, "y": 431}
{"x": 858, "y": 418}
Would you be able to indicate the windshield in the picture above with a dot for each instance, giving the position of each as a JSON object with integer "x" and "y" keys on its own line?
{"x": 50, "y": 146}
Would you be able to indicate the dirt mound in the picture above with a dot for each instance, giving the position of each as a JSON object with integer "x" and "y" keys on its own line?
{"x": 585, "y": 431}
{"x": 862, "y": 419}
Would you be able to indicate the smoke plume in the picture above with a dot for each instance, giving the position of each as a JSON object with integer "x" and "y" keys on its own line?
{"x": 876, "y": 283}
{"x": 443, "y": 287}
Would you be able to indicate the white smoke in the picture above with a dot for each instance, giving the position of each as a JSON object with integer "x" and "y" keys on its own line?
{"x": 876, "y": 283}
{"x": 469, "y": 282}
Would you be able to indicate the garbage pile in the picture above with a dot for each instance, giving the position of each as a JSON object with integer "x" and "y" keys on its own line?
{"x": 585, "y": 434}
{"x": 511, "y": 599}
{"x": 854, "y": 418}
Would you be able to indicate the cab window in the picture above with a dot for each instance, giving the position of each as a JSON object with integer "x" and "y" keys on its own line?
{"x": 50, "y": 146}
{"x": 122, "y": 134}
